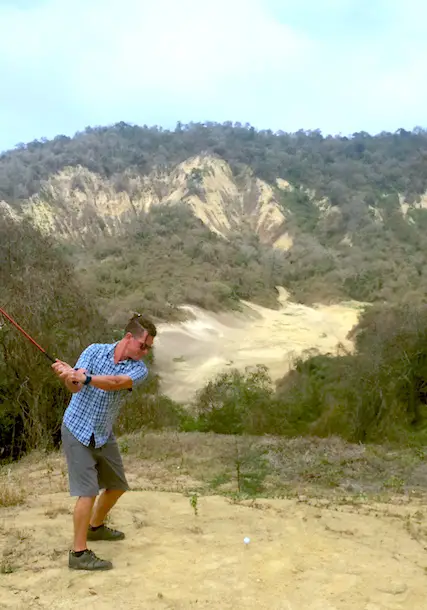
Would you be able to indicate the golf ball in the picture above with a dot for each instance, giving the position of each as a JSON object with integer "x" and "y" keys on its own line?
{"x": 246, "y": 540}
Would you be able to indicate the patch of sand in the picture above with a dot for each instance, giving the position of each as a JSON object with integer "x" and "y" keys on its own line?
{"x": 284, "y": 242}
{"x": 191, "y": 353}
{"x": 300, "y": 557}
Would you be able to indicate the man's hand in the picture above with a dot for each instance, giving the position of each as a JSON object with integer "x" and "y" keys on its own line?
{"x": 78, "y": 376}
{"x": 60, "y": 368}
{"x": 67, "y": 375}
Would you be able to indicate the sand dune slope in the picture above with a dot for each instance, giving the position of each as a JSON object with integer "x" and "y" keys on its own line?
{"x": 191, "y": 353}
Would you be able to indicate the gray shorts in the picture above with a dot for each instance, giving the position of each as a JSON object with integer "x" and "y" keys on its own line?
{"x": 90, "y": 469}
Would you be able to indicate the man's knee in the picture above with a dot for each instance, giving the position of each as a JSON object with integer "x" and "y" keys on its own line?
{"x": 115, "y": 492}
{"x": 85, "y": 500}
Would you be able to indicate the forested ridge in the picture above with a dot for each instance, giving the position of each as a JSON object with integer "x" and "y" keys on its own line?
{"x": 334, "y": 166}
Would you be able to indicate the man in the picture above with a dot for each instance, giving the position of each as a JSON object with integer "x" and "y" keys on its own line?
{"x": 102, "y": 376}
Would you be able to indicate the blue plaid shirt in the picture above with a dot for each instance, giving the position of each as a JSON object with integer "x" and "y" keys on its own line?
{"x": 93, "y": 410}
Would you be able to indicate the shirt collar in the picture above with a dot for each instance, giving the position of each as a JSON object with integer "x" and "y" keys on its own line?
{"x": 111, "y": 354}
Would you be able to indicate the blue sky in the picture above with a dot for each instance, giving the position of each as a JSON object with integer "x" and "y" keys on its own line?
{"x": 337, "y": 65}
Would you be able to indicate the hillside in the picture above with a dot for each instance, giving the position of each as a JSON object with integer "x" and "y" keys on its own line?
{"x": 79, "y": 206}
{"x": 329, "y": 218}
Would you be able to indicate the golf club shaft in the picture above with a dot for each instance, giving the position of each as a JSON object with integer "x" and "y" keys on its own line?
{"x": 12, "y": 321}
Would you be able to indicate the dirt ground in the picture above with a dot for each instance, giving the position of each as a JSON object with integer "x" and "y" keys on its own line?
{"x": 307, "y": 551}
{"x": 299, "y": 557}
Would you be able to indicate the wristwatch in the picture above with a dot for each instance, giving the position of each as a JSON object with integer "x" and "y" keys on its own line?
{"x": 87, "y": 380}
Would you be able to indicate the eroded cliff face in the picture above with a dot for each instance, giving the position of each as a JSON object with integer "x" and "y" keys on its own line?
{"x": 79, "y": 206}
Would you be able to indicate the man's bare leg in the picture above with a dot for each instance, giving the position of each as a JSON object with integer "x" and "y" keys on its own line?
{"x": 82, "y": 513}
{"x": 104, "y": 504}
{"x": 84, "y": 560}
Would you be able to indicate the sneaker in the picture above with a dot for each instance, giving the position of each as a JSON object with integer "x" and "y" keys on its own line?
{"x": 88, "y": 561}
{"x": 104, "y": 533}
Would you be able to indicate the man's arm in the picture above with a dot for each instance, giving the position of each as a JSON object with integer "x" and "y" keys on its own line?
{"x": 72, "y": 387}
{"x": 110, "y": 383}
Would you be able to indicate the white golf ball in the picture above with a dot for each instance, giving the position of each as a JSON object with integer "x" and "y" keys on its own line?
{"x": 246, "y": 540}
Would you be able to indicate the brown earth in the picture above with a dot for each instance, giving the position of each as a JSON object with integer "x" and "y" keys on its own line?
{"x": 315, "y": 549}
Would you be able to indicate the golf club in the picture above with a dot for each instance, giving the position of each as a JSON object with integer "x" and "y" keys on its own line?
{"x": 2, "y": 311}
{"x": 12, "y": 321}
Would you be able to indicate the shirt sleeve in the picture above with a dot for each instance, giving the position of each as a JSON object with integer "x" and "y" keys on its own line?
{"x": 86, "y": 357}
{"x": 138, "y": 373}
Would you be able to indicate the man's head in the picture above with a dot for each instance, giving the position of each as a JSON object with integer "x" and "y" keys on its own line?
{"x": 139, "y": 336}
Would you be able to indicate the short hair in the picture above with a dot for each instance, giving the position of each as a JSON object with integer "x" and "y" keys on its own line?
{"x": 138, "y": 324}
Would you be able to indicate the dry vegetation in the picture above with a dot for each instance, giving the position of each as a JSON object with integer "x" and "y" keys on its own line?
{"x": 238, "y": 467}
{"x": 12, "y": 492}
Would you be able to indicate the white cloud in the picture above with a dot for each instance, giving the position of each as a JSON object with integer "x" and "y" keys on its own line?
{"x": 284, "y": 64}
{"x": 131, "y": 47}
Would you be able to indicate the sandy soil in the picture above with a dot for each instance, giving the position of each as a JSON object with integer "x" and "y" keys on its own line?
{"x": 311, "y": 548}
{"x": 300, "y": 557}
{"x": 191, "y": 353}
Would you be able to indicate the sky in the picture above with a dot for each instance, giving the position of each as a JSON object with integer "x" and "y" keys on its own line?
{"x": 336, "y": 65}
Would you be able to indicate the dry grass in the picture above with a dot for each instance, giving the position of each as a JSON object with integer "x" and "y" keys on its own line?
{"x": 240, "y": 467}
{"x": 12, "y": 491}
{"x": 16, "y": 546}
{"x": 36, "y": 473}
{"x": 272, "y": 466}
{"x": 53, "y": 511}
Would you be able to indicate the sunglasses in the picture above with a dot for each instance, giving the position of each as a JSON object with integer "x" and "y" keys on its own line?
{"x": 144, "y": 346}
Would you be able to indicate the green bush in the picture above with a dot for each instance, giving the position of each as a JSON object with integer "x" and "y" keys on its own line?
{"x": 40, "y": 291}
{"x": 235, "y": 402}
{"x": 378, "y": 393}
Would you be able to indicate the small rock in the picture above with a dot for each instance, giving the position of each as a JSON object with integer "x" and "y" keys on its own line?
{"x": 396, "y": 589}
{"x": 93, "y": 592}
{"x": 160, "y": 595}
